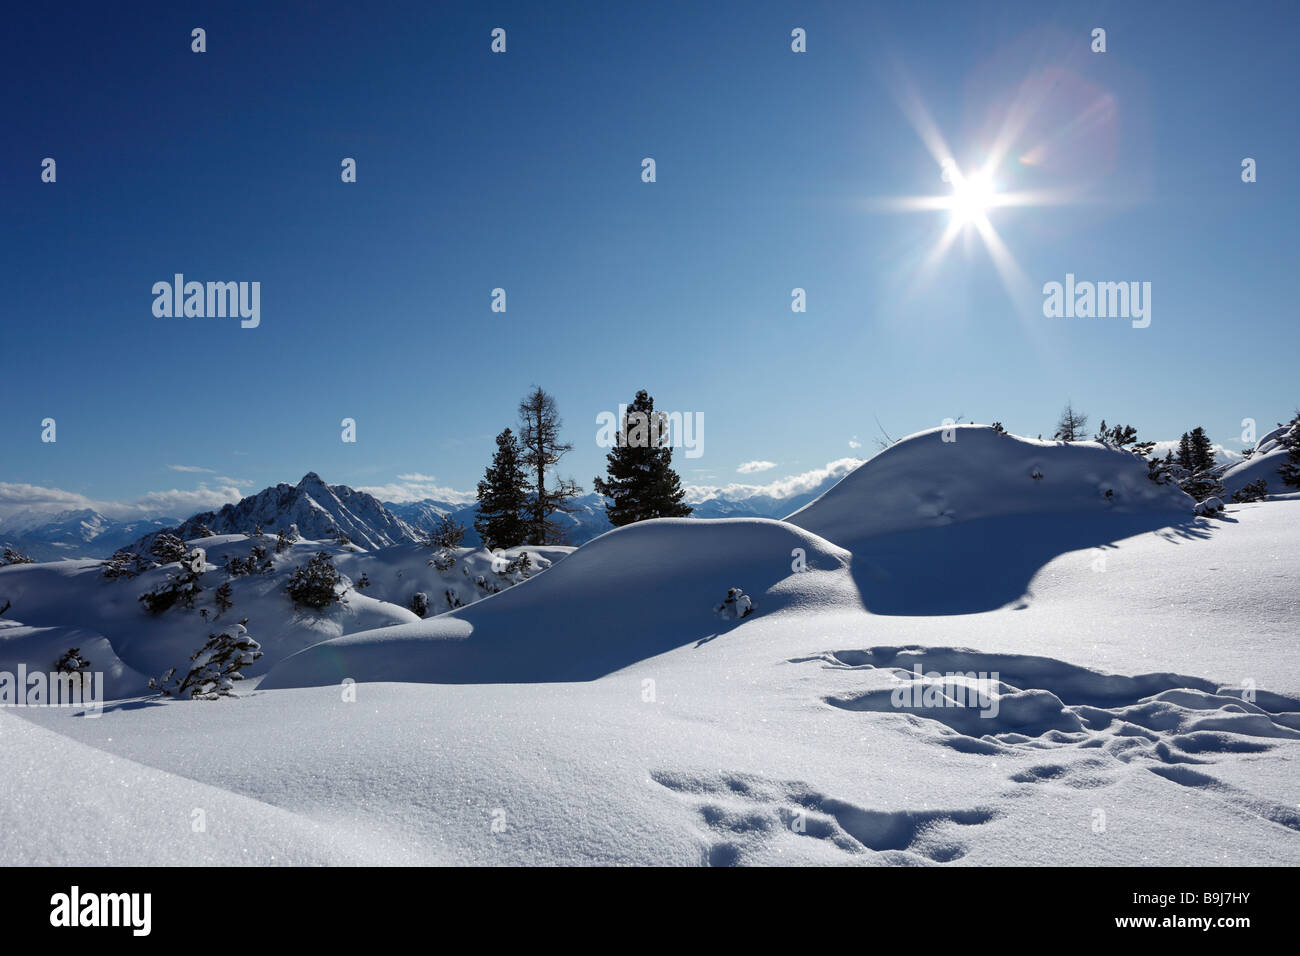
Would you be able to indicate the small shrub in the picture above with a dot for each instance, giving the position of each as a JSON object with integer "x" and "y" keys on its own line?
{"x": 315, "y": 585}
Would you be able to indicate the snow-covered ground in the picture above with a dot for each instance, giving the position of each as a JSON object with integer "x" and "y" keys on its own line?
{"x": 1138, "y": 691}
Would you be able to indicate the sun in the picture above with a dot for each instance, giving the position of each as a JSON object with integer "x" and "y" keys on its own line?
{"x": 972, "y": 196}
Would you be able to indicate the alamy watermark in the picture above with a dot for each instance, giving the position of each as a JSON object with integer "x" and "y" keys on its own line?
{"x": 683, "y": 430}
{"x": 928, "y": 690}
{"x": 53, "y": 689}
{"x": 212, "y": 300}
{"x": 1100, "y": 300}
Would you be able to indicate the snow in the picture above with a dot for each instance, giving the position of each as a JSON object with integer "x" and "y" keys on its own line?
{"x": 1132, "y": 666}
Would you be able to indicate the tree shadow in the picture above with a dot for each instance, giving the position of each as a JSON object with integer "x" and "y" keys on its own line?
{"x": 986, "y": 564}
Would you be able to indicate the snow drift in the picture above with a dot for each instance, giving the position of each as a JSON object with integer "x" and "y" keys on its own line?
{"x": 630, "y": 594}
{"x": 924, "y": 481}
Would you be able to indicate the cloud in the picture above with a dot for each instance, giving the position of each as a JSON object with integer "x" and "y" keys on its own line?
{"x": 28, "y": 503}
{"x": 781, "y": 488}
{"x": 753, "y": 467}
{"x": 854, "y": 443}
{"x": 416, "y": 487}
{"x": 191, "y": 468}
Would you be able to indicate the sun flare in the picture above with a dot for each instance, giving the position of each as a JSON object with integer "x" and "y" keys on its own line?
{"x": 972, "y": 196}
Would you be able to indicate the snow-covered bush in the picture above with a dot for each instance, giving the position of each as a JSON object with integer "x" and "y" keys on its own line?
{"x": 420, "y": 604}
{"x": 126, "y": 564}
{"x": 736, "y": 605}
{"x": 181, "y": 587}
{"x": 1290, "y": 469}
{"x": 315, "y": 585}
{"x": 444, "y": 560}
{"x": 257, "y": 562}
{"x": 71, "y": 662}
{"x": 167, "y": 548}
{"x": 453, "y": 601}
{"x": 14, "y": 556}
{"x": 1210, "y": 507}
{"x": 363, "y": 582}
{"x": 214, "y": 667}
{"x": 1252, "y": 491}
{"x": 284, "y": 539}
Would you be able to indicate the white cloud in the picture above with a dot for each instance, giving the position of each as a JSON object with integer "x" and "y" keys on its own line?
{"x": 854, "y": 443}
{"x": 28, "y": 502}
{"x": 191, "y": 468}
{"x": 753, "y": 467}
{"x": 781, "y": 488}
{"x": 417, "y": 488}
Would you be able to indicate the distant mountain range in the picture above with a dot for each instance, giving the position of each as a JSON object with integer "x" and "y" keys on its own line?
{"x": 322, "y": 511}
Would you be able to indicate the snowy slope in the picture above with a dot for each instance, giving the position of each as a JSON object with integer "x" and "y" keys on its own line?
{"x": 1270, "y": 454}
{"x": 630, "y": 594}
{"x": 1141, "y": 660}
{"x": 925, "y": 481}
{"x": 57, "y": 596}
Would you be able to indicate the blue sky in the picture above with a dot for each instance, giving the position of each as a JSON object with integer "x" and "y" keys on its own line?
{"x": 775, "y": 170}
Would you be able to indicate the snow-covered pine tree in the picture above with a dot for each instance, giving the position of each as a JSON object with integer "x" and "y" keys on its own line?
{"x": 502, "y": 496}
{"x": 71, "y": 662}
{"x": 181, "y": 586}
{"x": 214, "y": 667}
{"x": 1072, "y": 425}
{"x": 167, "y": 548}
{"x": 14, "y": 556}
{"x": 1252, "y": 491}
{"x": 642, "y": 483}
{"x": 420, "y": 604}
{"x": 315, "y": 584}
{"x": 126, "y": 564}
{"x": 1184, "y": 457}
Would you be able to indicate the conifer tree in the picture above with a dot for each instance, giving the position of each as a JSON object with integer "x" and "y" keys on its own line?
{"x": 539, "y": 437}
{"x": 1289, "y": 470}
{"x": 1202, "y": 452}
{"x": 642, "y": 483}
{"x": 503, "y": 496}
{"x": 1072, "y": 424}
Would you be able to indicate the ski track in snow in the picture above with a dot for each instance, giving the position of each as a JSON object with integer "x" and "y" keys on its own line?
{"x": 1163, "y": 723}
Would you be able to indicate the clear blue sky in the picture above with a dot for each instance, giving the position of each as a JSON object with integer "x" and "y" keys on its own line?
{"x": 523, "y": 171}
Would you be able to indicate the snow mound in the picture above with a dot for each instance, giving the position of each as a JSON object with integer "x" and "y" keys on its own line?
{"x": 924, "y": 481}
{"x": 39, "y": 648}
{"x": 1270, "y": 454}
{"x": 628, "y": 595}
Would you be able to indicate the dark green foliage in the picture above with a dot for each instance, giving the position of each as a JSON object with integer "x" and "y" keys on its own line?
{"x": 503, "y": 496}
{"x": 315, "y": 584}
{"x": 642, "y": 483}
{"x": 167, "y": 548}
{"x": 1254, "y": 491}
{"x": 214, "y": 667}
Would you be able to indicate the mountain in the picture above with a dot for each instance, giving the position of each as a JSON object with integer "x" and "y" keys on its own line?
{"x": 321, "y": 511}
{"x": 81, "y": 533}
{"x": 587, "y": 520}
